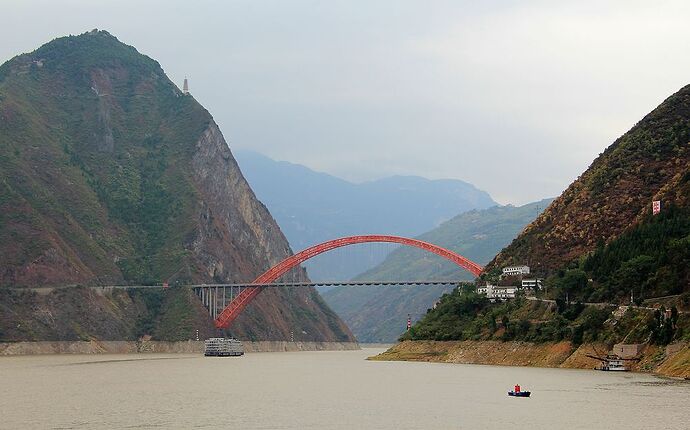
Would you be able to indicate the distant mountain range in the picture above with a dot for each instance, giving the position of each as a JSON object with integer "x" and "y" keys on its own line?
{"x": 312, "y": 207}
{"x": 379, "y": 314}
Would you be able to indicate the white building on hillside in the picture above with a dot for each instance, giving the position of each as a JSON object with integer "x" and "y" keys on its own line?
{"x": 534, "y": 284}
{"x": 515, "y": 270}
{"x": 494, "y": 292}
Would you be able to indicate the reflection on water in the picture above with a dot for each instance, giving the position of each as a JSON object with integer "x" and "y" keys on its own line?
{"x": 323, "y": 390}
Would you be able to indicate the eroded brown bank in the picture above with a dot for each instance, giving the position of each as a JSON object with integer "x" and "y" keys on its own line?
{"x": 673, "y": 360}
{"x": 133, "y": 347}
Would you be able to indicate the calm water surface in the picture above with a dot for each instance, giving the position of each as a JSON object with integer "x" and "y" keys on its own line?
{"x": 324, "y": 390}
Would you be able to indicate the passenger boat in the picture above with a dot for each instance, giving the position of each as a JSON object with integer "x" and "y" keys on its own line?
{"x": 223, "y": 347}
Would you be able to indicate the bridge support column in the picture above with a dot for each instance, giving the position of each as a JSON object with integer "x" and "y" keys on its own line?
{"x": 216, "y": 297}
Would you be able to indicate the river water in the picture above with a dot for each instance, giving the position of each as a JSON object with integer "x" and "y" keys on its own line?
{"x": 324, "y": 390}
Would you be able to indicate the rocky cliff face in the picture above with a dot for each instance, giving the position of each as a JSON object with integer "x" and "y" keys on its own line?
{"x": 229, "y": 217}
{"x": 109, "y": 174}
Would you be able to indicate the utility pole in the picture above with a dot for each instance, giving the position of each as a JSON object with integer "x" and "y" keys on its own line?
{"x": 409, "y": 322}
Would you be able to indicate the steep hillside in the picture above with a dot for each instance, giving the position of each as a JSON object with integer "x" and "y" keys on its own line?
{"x": 465, "y": 315}
{"x": 312, "y": 207}
{"x": 379, "y": 314}
{"x": 110, "y": 175}
{"x": 651, "y": 259}
{"x": 599, "y": 242}
{"x": 649, "y": 162}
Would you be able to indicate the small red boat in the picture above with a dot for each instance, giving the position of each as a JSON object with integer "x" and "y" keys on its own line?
{"x": 517, "y": 392}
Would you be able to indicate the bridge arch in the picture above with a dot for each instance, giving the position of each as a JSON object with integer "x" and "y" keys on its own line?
{"x": 234, "y": 308}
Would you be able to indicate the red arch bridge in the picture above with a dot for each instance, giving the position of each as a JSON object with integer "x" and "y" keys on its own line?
{"x": 226, "y": 308}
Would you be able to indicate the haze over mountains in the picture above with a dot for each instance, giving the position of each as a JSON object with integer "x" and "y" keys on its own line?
{"x": 313, "y": 207}
{"x": 110, "y": 174}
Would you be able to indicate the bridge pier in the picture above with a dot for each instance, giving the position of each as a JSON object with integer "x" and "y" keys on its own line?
{"x": 216, "y": 297}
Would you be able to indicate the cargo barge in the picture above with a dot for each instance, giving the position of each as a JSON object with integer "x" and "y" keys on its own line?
{"x": 612, "y": 363}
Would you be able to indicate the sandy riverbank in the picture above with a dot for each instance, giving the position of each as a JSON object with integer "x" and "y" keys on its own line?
{"x": 673, "y": 360}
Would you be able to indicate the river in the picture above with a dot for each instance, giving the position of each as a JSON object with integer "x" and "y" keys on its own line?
{"x": 324, "y": 390}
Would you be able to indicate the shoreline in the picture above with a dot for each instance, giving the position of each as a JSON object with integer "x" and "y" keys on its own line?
{"x": 159, "y": 347}
{"x": 670, "y": 361}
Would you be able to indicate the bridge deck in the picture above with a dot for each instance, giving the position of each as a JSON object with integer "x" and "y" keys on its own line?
{"x": 334, "y": 284}
{"x": 272, "y": 285}
{"x": 217, "y": 297}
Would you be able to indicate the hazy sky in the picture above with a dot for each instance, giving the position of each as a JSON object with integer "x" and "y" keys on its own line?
{"x": 515, "y": 97}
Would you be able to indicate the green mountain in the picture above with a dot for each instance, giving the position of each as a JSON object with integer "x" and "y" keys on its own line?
{"x": 599, "y": 242}
{"x": 476, "y": 234}
{"x": 652, "y": 259}
{"x": 379, "y": 314}
{"x": 109, "y": 174}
